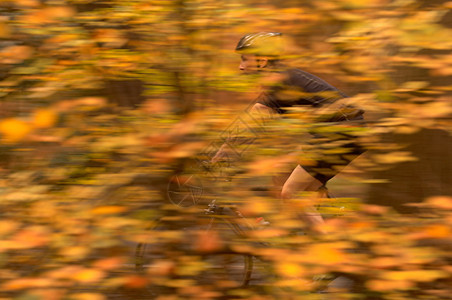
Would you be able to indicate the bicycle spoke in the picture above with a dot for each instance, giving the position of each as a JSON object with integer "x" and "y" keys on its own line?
{"x": 184, "y": 191}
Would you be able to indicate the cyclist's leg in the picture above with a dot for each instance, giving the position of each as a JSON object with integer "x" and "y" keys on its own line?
{"x": 300, "y": 180}
{"x": 283, "y": 170}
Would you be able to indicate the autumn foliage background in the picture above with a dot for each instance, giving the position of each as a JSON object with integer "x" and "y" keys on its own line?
{"x": 103, "y": 102}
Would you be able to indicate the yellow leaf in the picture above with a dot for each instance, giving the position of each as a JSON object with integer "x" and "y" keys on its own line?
{"x": 388, "y": 285}
{"x": 67, "y": 105}
{"x": 88, "y": 275}
{"x": 180, "y": 283}
{"x": 76, "y": 252}
{"x": 47, "y": 293}
{"x": 406, "y": 129}
{"x": 8, "y": 226}
{"x": 326, "y": 253}
{"x": 180, "y": 150}
{"x": 60, "y": 12}
{"x": 292, "y": 10}
{"x": 268, "y": 233}
{"x": 14, "y": 130}
{"x": 363, "y": 3}
{"x": 371, "y": 236}
{"x": 44, "y": 118}
{"x": 394, "y": 157}
{"x": 385, "y": 262}
{"x": 413, "y": 85}
{"x": 289, "y": 269}
{"x": 5, "y": 31}
{"x": 88, "y": 296}
{"x": 27, "y": 3}
{"x": 264, "y": 166}
{"x": 256, "y": 207}
{"x": 415, "y": 275}
{"x": 433, "y": 110}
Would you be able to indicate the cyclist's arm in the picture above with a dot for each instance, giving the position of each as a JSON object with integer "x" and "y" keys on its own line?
{"x": 260, "y": 114}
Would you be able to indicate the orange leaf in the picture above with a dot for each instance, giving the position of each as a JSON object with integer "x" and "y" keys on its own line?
{"x": 109, "y": 263}
{"x": 208, "y": 241}
{"x": 65, "y": 272}
{"x": 23, "y": 283}
{"x": 162, "y": 267}
{"x": 442, "y": 202}
{"x": 34, "y": 18}
{"x": 88, "y": 275}
{"x": 67, "y": 105}
{"x": 59, "y": 12}
{"x": 15, "y": 54}
{"x": 437, "y": 231}
{"x": 27, "y": 3}
{"x": 374, "y": 209}
{"x": 385, "y": 262}
{"x": 14, "y": 130}
{"x": 30, "y": 237}
{"x": 5, "y": 31}
{"x": 44, "y": 118}
{"x": 8, "y": 226}
{"x": 106, "y": 210}
{"x": 135, "y": 282}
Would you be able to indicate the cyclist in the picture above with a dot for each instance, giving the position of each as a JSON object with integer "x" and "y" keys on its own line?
{"x": 261, "y": 53}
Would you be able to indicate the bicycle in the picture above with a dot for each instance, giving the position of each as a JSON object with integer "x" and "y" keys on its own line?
{"x": 237, "y": 267}
{"x": 188, "y": 190}
{"x": 224, "y": 263}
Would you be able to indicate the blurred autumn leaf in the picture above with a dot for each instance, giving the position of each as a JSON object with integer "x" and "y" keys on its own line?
{"x": 14, "y": 130}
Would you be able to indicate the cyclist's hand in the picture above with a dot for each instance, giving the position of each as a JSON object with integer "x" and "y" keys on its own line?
{"x": 207, "y": 165}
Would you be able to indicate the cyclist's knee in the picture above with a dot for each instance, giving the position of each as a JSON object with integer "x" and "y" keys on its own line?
{"x": 288, "y": 190}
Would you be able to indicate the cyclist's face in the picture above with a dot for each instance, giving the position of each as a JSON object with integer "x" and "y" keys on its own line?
{"x": 251, "y": 63}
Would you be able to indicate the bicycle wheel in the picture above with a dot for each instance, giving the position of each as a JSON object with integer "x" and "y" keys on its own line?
{"x": 184, "y": 190}
{"x": 225, "y": 266}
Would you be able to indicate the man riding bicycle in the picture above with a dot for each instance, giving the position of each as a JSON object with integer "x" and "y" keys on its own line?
{"x": 260, "y": 54}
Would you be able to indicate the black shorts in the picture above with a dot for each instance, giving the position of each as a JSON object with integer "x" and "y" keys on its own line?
{"x": 331, "y": 148}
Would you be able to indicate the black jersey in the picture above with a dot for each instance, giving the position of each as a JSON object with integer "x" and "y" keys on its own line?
{"x": 300, "y": 88}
